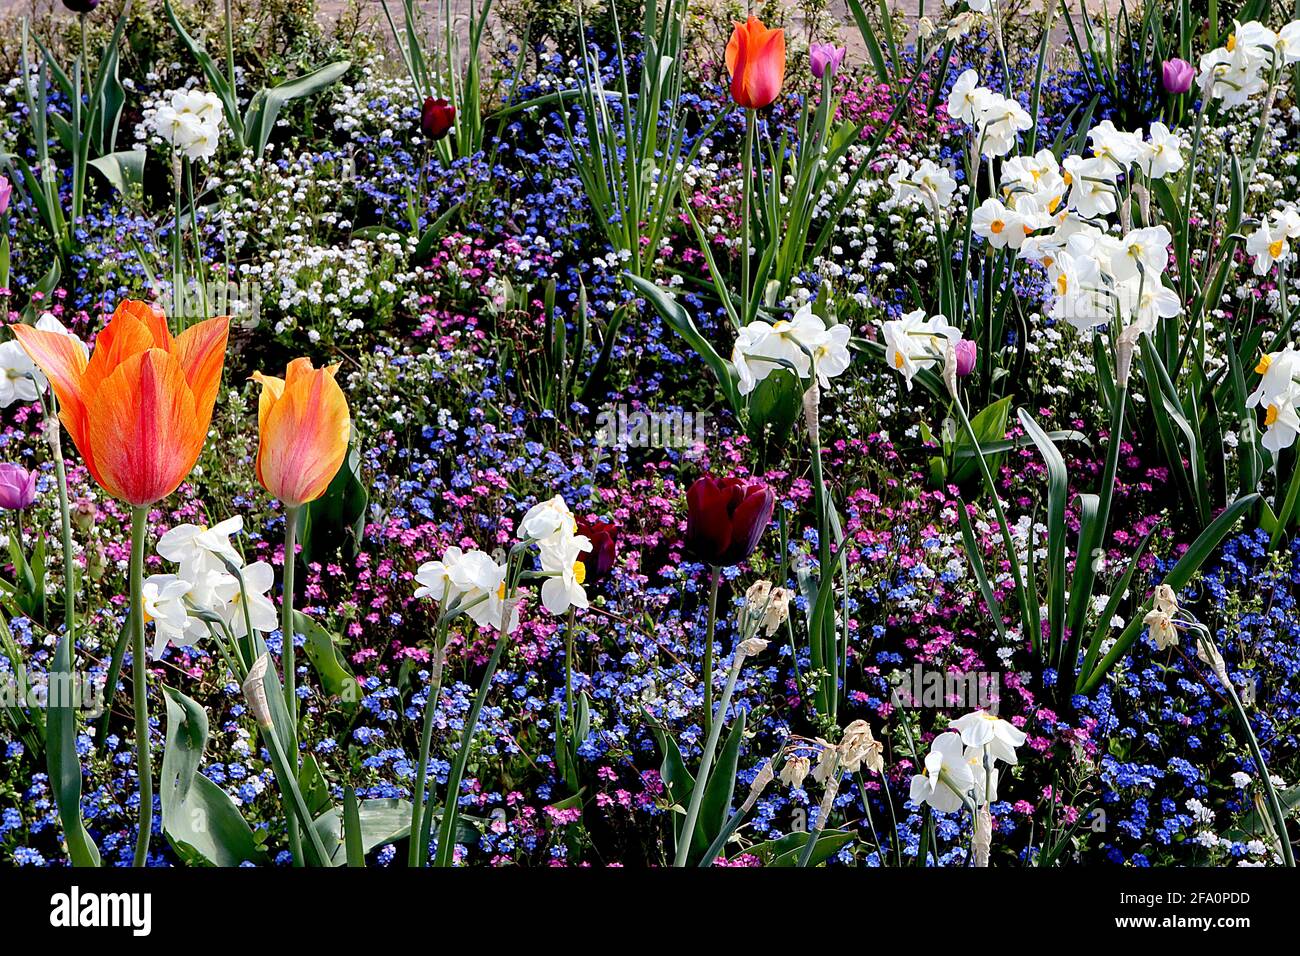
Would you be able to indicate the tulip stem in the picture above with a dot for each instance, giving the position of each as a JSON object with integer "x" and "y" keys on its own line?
{"x": 140, "y": 687}
{"x": 290, "y": 667}
{"x": 746, "y": 187}
{"x": 707, "y": 675}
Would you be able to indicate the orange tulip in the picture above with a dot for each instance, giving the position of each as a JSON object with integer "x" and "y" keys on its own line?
{"x": 139, "y": 409}
{"x": 756, "y": 63}
{"x": 303, "y": 424}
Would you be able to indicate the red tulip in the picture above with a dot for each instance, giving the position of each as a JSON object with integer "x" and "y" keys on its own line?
{"x": 603, "y": 536}
{"x": 756, "y": 63}
{"x": 726, "y": 517}
{"x": 437, "y": 117}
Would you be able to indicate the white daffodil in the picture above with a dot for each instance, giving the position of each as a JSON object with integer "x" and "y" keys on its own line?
{"x": 482, "y": 583}
{"x": 191, "y": 122}
{"x": 930, "y": 183}
{"x": 563, "y": 588}
{"x": 548, "y": 520}
{"x": 1037, "y": 176}
{"x": 947, "y": 776}
{"x": 437, "y": 578}
{"x": 1142, "y": 252}
{"x": 1143, "y": 303}
{"x": 1279, "y": 371}
{"x": 197, "y": 547}
{"x": 1231, "y": 74}
{"x": 982, "y": 729}
{"x": 1092, "y": 186}
{"x": 964, "y": 100}
{"x": 1269, "y": 243}
{"x": 1288, "y": 42}
{"x": 259, "y": 579}
{"x": 1162, "y": 628}
{"x": 1001, "y": 120}
{"x": 999, "y": 225}
{"x": 1281, "y": 421}
{"x": 18, "y": 375}
{"x": 1080, "y": 296}
{"x": 914, "y": 342}
{"x": 1119, "y": 148}
{"x": 831, "y": 356}
{"x": 163, "y": 599}
{"x": 1162, "y": 153}
{"x": 762, "y": 347}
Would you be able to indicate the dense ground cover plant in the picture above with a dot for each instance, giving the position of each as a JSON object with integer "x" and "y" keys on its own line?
{"x": 676, "y": 438}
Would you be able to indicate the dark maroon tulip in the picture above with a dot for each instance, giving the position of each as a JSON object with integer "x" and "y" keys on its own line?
{"x": 437, "y": 118}
{"x": 966, "y": 353}
{"x": 726, "y": 517}
{"x": 81, "y": 6}
{"x": 17, "y": 487}
{"x": 1176, "y": 76}
{"x": 603, "y": 536}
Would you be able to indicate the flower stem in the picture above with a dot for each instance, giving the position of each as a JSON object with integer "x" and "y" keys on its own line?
{"x": 140, "y": 687}
{"x": 715, "y": 577}
{"x": 419, "y": 847}
{"x": 746, "y": 188}
{"x": 706, "y": 764}
{"x": 290, "y": 667}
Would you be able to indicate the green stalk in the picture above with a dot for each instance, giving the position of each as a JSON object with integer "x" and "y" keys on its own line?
{"x": 706, "y": 764}
{"x": 707, "y": 669}
{"x": 746, "y": 188}
{"x": 139, "y": 681}
{"x": 290, "y": 668}
{"x": 418, "y": 847}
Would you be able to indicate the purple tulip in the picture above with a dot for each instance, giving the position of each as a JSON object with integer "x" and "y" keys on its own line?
{"x": 966, "y": 353}
{"x": 1177, "y": 76}
{"x": 6, "y": 193}
{"x": 823, "y": 57}
{"x": 81, "y": 6}
{"x": 17, "y": 487}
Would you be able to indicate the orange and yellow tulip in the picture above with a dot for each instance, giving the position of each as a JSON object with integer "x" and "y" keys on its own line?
{"x": 303, "y": 427}
{"x": 756, "y": 63}
{"x": 139, "y": 408}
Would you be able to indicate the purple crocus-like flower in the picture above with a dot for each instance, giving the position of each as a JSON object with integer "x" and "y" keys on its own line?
{"x": 966, "y": 353}
{"x": 825, "y": 57}
{"x": 1176, "y": 76}
{"x": 17, "y": 487}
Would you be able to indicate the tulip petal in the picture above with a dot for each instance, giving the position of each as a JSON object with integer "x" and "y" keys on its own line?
{"x": 304, "y": 433}
{"x": 143, "y": 428}
{"x": 124, "y": 336}
{"x": 201, "y": 350}
{"x": 152, "y": 317}
{"x": 64, "y": 363}
{"x": 735, "y": 48}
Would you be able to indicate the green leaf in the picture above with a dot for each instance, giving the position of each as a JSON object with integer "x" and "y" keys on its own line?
{"x": 785, "y": 851}
{"x": 198, "y": 817}
{"x": 380, "y": 822}
{"x": 265, "y": 108}
{"x": 990, "y": 427}
{"x": 774, "y": 407}
{"x": 337, "y": 519}
{"x": 716, "y": 806}
{"x": 124, "y": 170}
{"x": 323, "y": 652}
{"x": 63, "y": 763}
{"x": 1058, "y": 490}
{"x": 352, "y": 839}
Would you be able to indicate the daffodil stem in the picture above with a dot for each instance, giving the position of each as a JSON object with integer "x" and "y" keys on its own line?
{"x": 419, "y": 847}
{"x": 290, "y": 666}
{"x": 710, "y": 628}
{"x": 706, "y": 765}
{"x": 140, "y": 686}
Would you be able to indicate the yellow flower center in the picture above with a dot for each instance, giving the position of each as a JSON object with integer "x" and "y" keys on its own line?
{"x": 1270, "y": 416}
{"x": 1232, "y": 42}
{"x": 898, "y": 359}
{"x": 1067, "y": 178}
{"x": 1265, "y": 361}
{"x": 1275, "y": 249}
{"x": 501, "y": 591}
{"x": 1062, "y": 284}
{"x": 997, "y": 226}
{"x": 579, "y": 572}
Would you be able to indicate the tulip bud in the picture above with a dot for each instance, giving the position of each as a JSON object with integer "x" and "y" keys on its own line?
{"x": 756, "y": 63}
{"x": 726, "y": 518}
{"x": 84, "y": 515}
{"x": 17, "y": 487}
{"x": 967, "y": 352}
{"x": 603, "y": 535}
{"x": 437, "y": 117}
{"x": 1176, "y": 76}
{"x": 825, "y": 58}
{"x": 6, "y": 193}
{"x": 81, "y": 6}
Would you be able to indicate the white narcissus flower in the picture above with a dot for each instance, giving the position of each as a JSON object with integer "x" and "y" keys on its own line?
{"x": 17, "y": 375}
{"x": 1092, "y": 186}
{"x": 1001, "y": 226}
{"x": 1000, "y": 122}
{"x": 964, "y": 98}
{"x": 1162, "y": 627}
{"x": 1231, "y": 75}
{"x": 1162, "y": 153}
{"x": 563, "y": 588}
{"x": 437, "y": 578}
{"x": 1142, "y": 252}
{"x": 947, "y": 776}
{"x": 795, "y": 770}
{"x": 762, "y": 347}
{"x": 1279, "y": 370}
{"x": 1118, "y": 147}
{"x": 982, "y": 729}
{"x": 914, "y": 342}
{"x": 482, "y": 583}
{"x": 1037, "y": 176}
{"x": 198, "y": 548}
{"x": 831, "y": 356}
{"x": 1143, "y": 304}
{"x": 259, "y": 579}
{"x": 1288, "y": 42}
{"x": 162, "y": 598}
{"x": 190, "y": 122}
{"x": 929, "y": 182}
{"x": 1282, "y": 423}
{"x": 1269, "y": 243}
{"x": 548, "y": 521}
